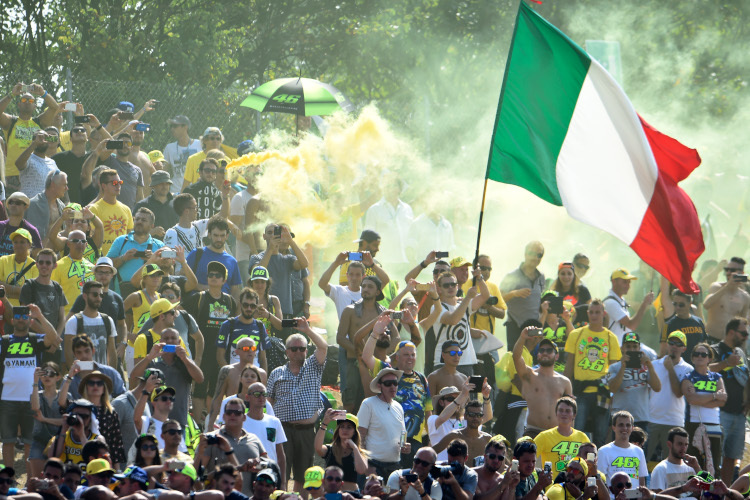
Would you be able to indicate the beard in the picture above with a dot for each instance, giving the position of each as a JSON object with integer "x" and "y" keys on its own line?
{"x": 546, "y": 362}
{"x": 383, "y": 343}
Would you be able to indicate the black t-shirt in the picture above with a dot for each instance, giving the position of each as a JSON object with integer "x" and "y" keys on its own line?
{"x": 207, "y": 197}
{"x": 347, "y": 464}
{"x": 112, "y": 306}
{"x": 210, "y": 313}
{"x": 50, "y": 298}
{"x": 72, "y": 165}
{"x": 734, "y": 377}
{"x": 692, "y": 327}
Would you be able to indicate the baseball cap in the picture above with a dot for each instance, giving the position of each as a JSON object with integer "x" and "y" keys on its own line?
{"x": 160, "y": 177}
{"x": 161, "y": 390}
{"x": 188, "y": 471}
{"x": 212, "y": 130}
{"x": 245, "y": 146}
{"x": 368, "y": 235}
{"x": 378, "y": 284}
{"x": 24, "y": 233}
{"x": 18, "y": 195}
{"x": 80, "y": 403}
{"x": 217, "y": 266}
{"x": 126, "y": 106}
{"x": 314, "y": 477}
{"x": 703, "y": 475}
{"x": 404, "y": 343}
{"x": 152, "y": 371}
{"x": 179, "y": 120}
{"x": 269, "y": 473}
{"x": 581, "y": 462}
{"x": 160, "y": 306}
{"x": 623, "y": 274}
{"x": 351, "y": 418}
{"x": 98, "y": 465}
{"x": 549, "y": 341}
{"x": 105, "y": 262}
{"x": 631, "y": 337}
{"x": 447, "y": 391}
{"x": 8, "y": 470}
{"x": 74, "y": 206}
{"x": 259, "y": 273}
{"x": 459, "y": 262}
{"x": 150, "y": 269}
{"x": 156, "y": 155}
{"x": 679, "y": 336}
{"x": 134, "y": 473}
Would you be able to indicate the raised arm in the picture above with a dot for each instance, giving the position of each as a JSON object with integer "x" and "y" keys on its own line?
{"x": 379, "y": 327}
{"x": 325, "y": 278}
{"x": 321, "y": 346}
{"x": 524, "y": 372}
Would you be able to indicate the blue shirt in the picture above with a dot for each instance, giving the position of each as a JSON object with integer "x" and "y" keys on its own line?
{"x": 232, "y": 330}
{"x": 201, "y": 268}
{"x": 124, "y": 243}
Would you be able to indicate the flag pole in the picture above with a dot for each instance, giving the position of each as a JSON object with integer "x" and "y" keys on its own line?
{"x": 494, "y": 131}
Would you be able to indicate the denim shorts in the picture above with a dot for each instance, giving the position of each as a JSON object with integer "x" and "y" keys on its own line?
{"x": 733, "y": 425}
{"x": 12, "y": 415}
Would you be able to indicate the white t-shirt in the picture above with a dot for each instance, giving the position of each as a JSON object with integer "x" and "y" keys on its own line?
{"x": 220, "y": 418}
{"x": 237, "y": 208}
{"x": 631, "y": 461}
{"x": 155, "y": 429}
{"x": 436, "y": 434}
{"x": 342, "y": 297}
{"x": 664, "y": 408}
{"x": 460, "y": 332}
{"x": 667, "y": 475}
{"x": 616, "y": 310}
{"x": 268, "y": 430}
{"x": 190, "y": 238}
{"x": 436, "y": 492}
{"x": 97, "y": 332}
{"x": 384, "y": 423}
{"x": 177, "y": 156}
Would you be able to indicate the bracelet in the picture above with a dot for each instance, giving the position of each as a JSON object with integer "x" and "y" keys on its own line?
{"x": 99, "y": 127}
{"x": 435, "y": 298}
{"x": 323, "y": 427}
{"x": 423, "y": 265}
{"x": 66, "y": 377}
{"x": 145, "y": 393}
{"x": 45, "y": 95}
{"x": 227, "y": 453}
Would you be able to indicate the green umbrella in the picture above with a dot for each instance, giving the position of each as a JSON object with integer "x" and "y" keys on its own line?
{"x": 298, "y": 96}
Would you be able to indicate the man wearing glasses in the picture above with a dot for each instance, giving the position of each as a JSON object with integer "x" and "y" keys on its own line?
{"x": 726, "y": 300}
{"x": 115, "y": 215}
{"x": 575, "y": 484}
{"x": 133, "y": 186}
{"x": 680, "y": 317}
{"x": 71, "y": 161}
{"x": 333, "y": 481}
{"x": 16, "y": 205}
{"x": 16, "y": 268}
{"x": 131, "y": 251}
{"x": 493, "y": 481}
{"x": 618, "y": 315}
{"x": 522, "y": 290}
{"x": 178, "y": 152}
{"x": 267, "y": 427}
{"x": 162, "y": 401}
{"x": 243, "y": 326}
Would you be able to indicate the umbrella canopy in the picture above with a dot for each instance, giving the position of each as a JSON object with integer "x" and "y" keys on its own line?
{"x": 298, "y": 96}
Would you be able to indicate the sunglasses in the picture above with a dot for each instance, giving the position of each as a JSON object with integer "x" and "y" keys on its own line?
{"x": 118, "y": 183}
{"x": 167, "y": 398}
{"x": 438, "y": 271}
{"x": 96, "y": 294}
{"x": 449, "y": 399}
{"x": 311, "y": 488}
{"x": 27, "y": 99}
{"x": 336, "y": 479}
{"x": 546, "y": 350}
{"x": 235, "y": 413}
{"x": 494, "y": 456}
{"x": 149, "y": 447}
{"x": 77, "y": 240}
{"x": 50, "y": 373}
{"x": 95, "y": 383}
{"x": 485, "y": 268}
{"x": 83, "y": 416}
{"x": 389, "y": 383}
{"x": 20, "y": 316}
{"x": 622, "y": 485}
{"x": 213, "y": 137}
{"x": 215, "y": 275}
{"x": 78, "y": 221}
{"x": 78, "y": 130}
{"x": 419, "y": 461}
{"x": 266, "y": 481}
{"x": 454, "y": 353}
{"x": 475, "y": 414}
{"x": 247, "y": 348}
{"x": 675, "y": 343}
{"x": 700, "y": 354}
{"x": 6, "y": 480}
{"x": 449, "y": 285}
{"x": 249, "y": 306}
{"x": 171, "y": 313}
{"x": 16, "y": 202}
{"x": 45, "y": 262}
{"x": 297, "y": 349}
{"x": 258, "y": 394}
{"x": 172, "y": 432}
{"x": 732, "y": 270}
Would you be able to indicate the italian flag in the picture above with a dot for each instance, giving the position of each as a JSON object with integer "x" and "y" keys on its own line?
{"x": 567, "y": 132}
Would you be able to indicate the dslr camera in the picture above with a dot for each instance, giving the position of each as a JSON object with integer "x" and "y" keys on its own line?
{"x": 443, "y": 470}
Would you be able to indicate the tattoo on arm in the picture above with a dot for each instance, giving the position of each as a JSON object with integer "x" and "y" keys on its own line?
{"x": 223, "y": 373}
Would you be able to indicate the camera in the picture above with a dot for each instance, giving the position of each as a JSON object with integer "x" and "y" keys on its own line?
{"x": 492, "y": 301}
{"x": 446, "y": 470}
{"x": 81, "y": 119}
{"x": 441, "y": 255}
{"x": 411, "y": 478}
{"x": 43, "y": 484}
{"x": 289, "y": 323}
{"x": 72, "y": 420}
{"x": 51, "y": 138}
{"x": 397, "y": 315}
{"x": 212, "y": 440}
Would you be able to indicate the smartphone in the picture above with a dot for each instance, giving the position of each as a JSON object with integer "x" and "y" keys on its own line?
{"x": 355, "y": 256}
{"x": 126, "y": 115}
{"x": 140, "y": 254}
{"x": 81, "y": 119}
{"x": 514, "y": 466}
{"x": 555, "y": 305}
{"x": 397, "y": 315}
{"x": 115, "y": 144}
{"x": 25, "y": 88}
{"x": 635, "y": 359}
{"x": 590, "y": 457}
{"x": 71, "y": 106}
{"x": 176, "y": 465}
{"x": 277, "y": 231}
{"x": 212, "y": 440}
{"x": 43, "y": 484}
{"x": 154, "y": 104}
{"x": 339, "y": 415}
{"x": 143, "y": 127}
{"x": 629, "y": 493}
{"x": 534, "y": 332}
{"x": 289, "y": 323}
{"x": 169, "y": 348}
{"x": 2, "y": 292}
{"x": 478, "y": 381}
{"x": 53, "y": 138}
{"x": 86, "y": 365}
{"x": 169, "y": 254}
{"x": 441, "y": 255}
{"x": 548, "y": 467}
{"x": 411, "y": 478}
{"x": 423, "y": 287}
{"x": 742, "y": 278}
{"x": 591, "y": 481}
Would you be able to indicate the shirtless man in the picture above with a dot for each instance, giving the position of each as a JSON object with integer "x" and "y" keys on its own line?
{"x": 726, "y": 300}
{"x": 229, "y": 376}
{"x": 475, "y": 439}
{"x": 352, "y": 320}
{"x": 447, "y": 375}
{"x": 541, "y": 387}
{"x": 491, "y": 484}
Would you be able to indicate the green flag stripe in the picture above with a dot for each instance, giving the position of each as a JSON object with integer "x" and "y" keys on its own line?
{"x": 541, "y": 87}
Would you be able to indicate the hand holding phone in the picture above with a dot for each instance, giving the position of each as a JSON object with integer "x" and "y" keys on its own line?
{"x": 114, "y": 145}
{"x": 441, "y": 255}
{"x": 81, "y": 119}
{"x": 169, "y": 348}
{"x": 397, "y": 315}
{"x": 355, "y": 256}
{"x": 71, "y": 106}
{"x": 289, "y": 323}
{"x": 86, "y": 365}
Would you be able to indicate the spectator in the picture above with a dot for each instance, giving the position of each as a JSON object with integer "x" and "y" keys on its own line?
{"x": 208, "y": 197}
{"x": 680, "y": 318}
{"x": 129, "y": 252}
{"x": 35, "y": 163}
{"x": 268, "y": 428}
{"x": 620, "y": 321}
{"x": 493, "y": 481}
{"x": 172, "y": 437}
{"x": 16, "y": 268}
{"x": 631, "y": 378}
{"x": 46, "y": 410}
{"x": 20, "y": 129}
{"x": 74, "y": 217}
{"x": 522, "y": 291}
{"x": 333, "y": 481}
{"x": 560, "y": 444}
{"x": 160, "y": 203}
{"x": 448, "y": 375}
{"x": 667, "y": 407}
{"x": 248, "y": 376}
{"x": 495, "y": 307}
{"x": 114, "y": 214}
{"x": 17, "y": 204}
{"x": 139, "y": 158}
{"x": 294, "y": 392}
{"x": 100, "y": 327}
{"x": 343, "y": 295}
{"x": 449, "y": 415}
{"x": 180, "y": 479}
{"x": 240, "y": 327}
{"x": 270, "y": 313}
{"x": 199, "y": 258}
{"x": 225, "y": 479}
{"x": 162, "y": 400}
{"x": 427, "y": 299}
{"x": 179, "y": 370}
{"x": 212, "y": 139}
{"x": 133, "y": 187}
{"x": 163, "y": 317}
{"x": 47, "y": 206}
{"x": 731, "y": 363}
{"x": 177, "y": 153}
{"x": 369, "y": 241}
{"x": 186, "y": 282}
{"x": 71, "y": 161}
{"x": 460, "y": 482}
{"x": 188, "y": 232}
{"x": 265, "y": 484}
{"x": 678, "y": 467}
{"x": 138, "y": 304}
{"x": 133, "y": 480}
{"x": 569, "y": 286}
{"x": 726, "y": 300}
{"x": 620, "y": 455}
{"x": 280, "y": 266}
{"x": 574, "y": 484}
{"x": 705, "y": 395}
{"x": 471, "y": 435}
{"x": 392, "y": 217}
{"x": 83, "y": 351}
{"x": 147, "y": 451}
{"x": 589, "y": 352}
{"x": 589, "y": 452}
{"x": 124, "y": 406}
{"x": 425, "y": 486}
{"x": 344, "y": 451}
{"x": 157, "y": 160}
{"x": 68, "y": 443}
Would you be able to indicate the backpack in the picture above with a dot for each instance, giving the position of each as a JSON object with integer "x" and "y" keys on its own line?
{"x": 105, "y": 319}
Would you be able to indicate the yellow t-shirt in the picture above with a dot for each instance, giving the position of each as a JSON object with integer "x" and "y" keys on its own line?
{"x": 142, "y": 313}
{"x": 551, "y": 446}
{"x": 481, "y": 319}
{"x": 593, "y": 351}
{"x": 141, "y": 344}
{"x": 71, "y": 450}
{"x": 194, "y": 161}
{"x": 72, "y": 274}
{"x": 9, "y": 269}
{"x": 505, "y": 371}
{"x": 65, "y": 143}
{"x": 117, "y": 220}
{"x": 19, "y": 140}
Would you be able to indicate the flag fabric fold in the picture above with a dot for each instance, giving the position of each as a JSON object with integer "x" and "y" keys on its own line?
{"x": 566, "y": 132}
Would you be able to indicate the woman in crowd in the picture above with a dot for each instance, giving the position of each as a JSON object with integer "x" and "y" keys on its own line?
{"x": 269, "y": 311}
{"x": 138, "y": 304}
{"x": 46, "y": 409}
{"x": 344, "y": 451}
{"x": 147, "y": 453}
{"x": 568, "y": 285}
